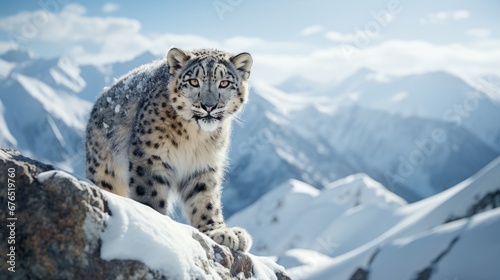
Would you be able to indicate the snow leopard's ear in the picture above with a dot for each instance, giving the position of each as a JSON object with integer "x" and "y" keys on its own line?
{"x": 176, "y": 59}
{"x": 243, "y": 63}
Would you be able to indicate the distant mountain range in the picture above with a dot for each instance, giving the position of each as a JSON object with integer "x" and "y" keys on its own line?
{"x": 406, "y": 132}
{"x": 355, "y": 228}
{"x": 364, "y": 124}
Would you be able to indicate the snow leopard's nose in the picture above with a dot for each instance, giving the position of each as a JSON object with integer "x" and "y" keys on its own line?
{"x": 208, "y": 100}
{"x": 207, "y": 108}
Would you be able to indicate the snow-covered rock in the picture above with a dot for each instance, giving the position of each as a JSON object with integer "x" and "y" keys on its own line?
{"x": 66, "y": 228}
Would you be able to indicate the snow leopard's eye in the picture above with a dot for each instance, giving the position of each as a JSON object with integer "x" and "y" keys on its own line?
{"x": 224, "y": 84}
{"x": 194, "y": 82}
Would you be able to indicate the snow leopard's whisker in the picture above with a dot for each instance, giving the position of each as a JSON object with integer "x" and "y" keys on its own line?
{"x": 238, "y": 120}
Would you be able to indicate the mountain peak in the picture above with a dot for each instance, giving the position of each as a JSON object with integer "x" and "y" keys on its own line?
{"x": 439, "y": 77}
{"x": 18, "y": 55}
{"x": 366, "y": 191}
{"x": 146, "y": 55}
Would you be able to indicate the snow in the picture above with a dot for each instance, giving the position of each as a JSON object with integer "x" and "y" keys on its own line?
{"x": 264, "y": 268}
{"x": 138, "y": 232}
{"x": 357, "y": 223}
{"x": 301, "y": 257}
{"x": 44, "y": 176}
{"x": 117, "y": 108}
{"x": 67, "y": 73}
{"x": 463, "y": 259}
{"x": 283, "y": 210}
{"x": 56, "y": 131}
{"x": 368, "y": 191}
{"x": 472, "y": 255}
{"x": 68, "y": 108}
{"x": 5, "y": 68}
{"x": 5, "y": 136}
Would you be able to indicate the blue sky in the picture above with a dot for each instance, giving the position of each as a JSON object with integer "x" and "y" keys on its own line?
{"x": 288, "y": 37}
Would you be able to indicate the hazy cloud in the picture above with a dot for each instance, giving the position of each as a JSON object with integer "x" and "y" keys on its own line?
{"x": 479, "y": 33}
{"x": 120, "y": 39}
{"x": 349, "y": 37}
{"x": 110, "y": 7}
{"x": 313, "y": 29}
{"x": 443, "y": 16}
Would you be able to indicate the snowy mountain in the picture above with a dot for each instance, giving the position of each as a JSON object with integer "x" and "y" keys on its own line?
{"x": 41, "y": 111}
{"x": 45, "y": 103}
{"x": 16, "y": 56}
{"x": 99, "y": 77}
{"x": 280, "y": 136}
{"x": 297, "y": 84}
{"x": 355, "y": 227}
{"x": 318, "y": 140}
{"x": 435, "y": 95}
{"x": 414, "y": 157}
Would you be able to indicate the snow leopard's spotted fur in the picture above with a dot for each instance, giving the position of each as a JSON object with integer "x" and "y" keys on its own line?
{"x": 162, "y": 131}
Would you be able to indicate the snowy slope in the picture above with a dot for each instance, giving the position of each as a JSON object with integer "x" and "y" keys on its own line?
{"x": 465, "y": 249}
{"x": 5, "y": 137}
{"x": 5, "y": 68}
{"x": 294, "y": 208}
{"x": 357, "y": 224}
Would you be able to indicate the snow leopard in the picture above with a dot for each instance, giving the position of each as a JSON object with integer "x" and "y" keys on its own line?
{"x": 160, "y": 135}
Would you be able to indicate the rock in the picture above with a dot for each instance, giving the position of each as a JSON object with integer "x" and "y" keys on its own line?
{"x": 60, "y": 223}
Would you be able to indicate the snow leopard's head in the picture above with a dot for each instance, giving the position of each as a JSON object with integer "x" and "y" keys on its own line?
{"x": 208, "y": 86}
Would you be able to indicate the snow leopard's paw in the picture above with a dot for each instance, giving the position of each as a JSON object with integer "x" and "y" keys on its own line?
{"x": 235, "y": 238}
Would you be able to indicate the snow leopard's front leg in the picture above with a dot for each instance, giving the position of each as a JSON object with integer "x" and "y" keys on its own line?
{"x": 201, "y": 194}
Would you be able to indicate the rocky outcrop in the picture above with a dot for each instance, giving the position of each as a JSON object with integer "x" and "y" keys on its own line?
{"x": 46, "y": 220}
